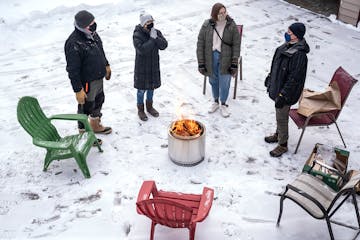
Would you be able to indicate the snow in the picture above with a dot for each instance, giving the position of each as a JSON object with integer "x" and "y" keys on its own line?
{"x": 62, "y": 204}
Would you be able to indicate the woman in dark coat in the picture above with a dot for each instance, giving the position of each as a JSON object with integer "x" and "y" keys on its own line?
{"x": 147, "y": 42}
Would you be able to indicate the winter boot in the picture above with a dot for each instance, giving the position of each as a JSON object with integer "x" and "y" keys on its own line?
{"x": 95, "y": 124}
{"x": 141, "y": 112}
{"x": 279, "y": 150}
{"x": 272, "y": 138}
{"x": 150, "y": 109}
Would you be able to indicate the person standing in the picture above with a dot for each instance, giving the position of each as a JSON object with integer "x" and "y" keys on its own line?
{"x": 87, "y": 66}
{"x": 218, "y": 51}
{"x": 147, "y": 42}
{"x": 285, "y": 82}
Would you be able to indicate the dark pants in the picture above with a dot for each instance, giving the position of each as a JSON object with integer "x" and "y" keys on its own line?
{"x": 282, "y": 123}
{"x": 94, "y": 101}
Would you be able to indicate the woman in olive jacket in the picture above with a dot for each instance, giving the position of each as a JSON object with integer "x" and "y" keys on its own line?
{"x": 218, "y": 51}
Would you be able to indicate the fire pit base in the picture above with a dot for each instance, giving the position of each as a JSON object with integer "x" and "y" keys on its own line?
{"x": 187, "y": 164}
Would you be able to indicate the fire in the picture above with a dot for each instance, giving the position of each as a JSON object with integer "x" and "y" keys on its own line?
{"x": 186, "y": 127}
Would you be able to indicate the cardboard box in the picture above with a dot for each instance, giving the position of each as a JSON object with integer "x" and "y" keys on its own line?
{"x": 338, "y": 160}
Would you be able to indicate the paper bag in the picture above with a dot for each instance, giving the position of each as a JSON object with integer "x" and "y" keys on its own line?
{"x": 314, "y": 102}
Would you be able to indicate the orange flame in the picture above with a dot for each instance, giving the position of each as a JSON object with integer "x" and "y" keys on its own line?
{"x": 186, "y": 127}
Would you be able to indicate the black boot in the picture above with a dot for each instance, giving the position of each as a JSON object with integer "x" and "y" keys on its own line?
{"x": 141, "y": 112}
{"x": 150, "y": 109}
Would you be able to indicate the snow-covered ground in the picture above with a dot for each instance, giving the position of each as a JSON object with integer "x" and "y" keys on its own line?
{"x": 62, "y": 204}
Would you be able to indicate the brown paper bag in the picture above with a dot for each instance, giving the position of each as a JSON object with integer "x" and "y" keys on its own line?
{"x": 315, "y": 102}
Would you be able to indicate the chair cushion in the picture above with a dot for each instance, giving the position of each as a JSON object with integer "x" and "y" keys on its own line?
{"x": 314, "y": 187}
{"x": 315, "y": 121}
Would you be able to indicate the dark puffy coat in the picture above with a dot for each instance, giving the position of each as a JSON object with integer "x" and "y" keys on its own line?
{"x": 147, "y": 66}
{"x": 85, "y": 59}
{"x": 229, "y": 54}
{"x": 288, "y": 71}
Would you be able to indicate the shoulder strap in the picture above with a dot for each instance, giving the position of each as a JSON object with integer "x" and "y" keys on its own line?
{"x": 226, "y": 43}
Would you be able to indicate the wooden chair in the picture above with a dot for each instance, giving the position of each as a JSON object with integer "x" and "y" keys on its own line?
{"x": 319, "y": 200}
{"x": 44, "y": 134}
{"x": 173, "y": 209}
{"x": 345, "y": 82}
{"x": 240, "y": 29}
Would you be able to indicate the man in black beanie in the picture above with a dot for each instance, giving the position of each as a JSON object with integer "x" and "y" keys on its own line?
{"x": 87, "y": 66}
{"x": 285, "y": 82}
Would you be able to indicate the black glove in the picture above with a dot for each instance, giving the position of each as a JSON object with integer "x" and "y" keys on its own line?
{"x": 202, "y": 69}
{"x": 233, "y": 69}
{"x": 279, "y": 101}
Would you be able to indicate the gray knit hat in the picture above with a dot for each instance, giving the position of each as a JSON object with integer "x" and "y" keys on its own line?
{"x": 84, "y": 18}
{"x": 144, "y": 17}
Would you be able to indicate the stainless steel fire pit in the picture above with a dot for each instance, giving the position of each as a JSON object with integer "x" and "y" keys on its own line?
{"x": 186, "y": 150}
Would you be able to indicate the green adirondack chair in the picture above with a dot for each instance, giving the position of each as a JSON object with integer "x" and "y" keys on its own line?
{"x": 44, "y": 134}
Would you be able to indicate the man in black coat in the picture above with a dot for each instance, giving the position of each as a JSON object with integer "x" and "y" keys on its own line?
{"x": 86, "y": 67}
{"x": 285, "y": 82}
{"x": 147, "y": 42}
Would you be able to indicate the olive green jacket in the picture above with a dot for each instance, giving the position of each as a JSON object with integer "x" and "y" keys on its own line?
{"x": 228, "y": 55}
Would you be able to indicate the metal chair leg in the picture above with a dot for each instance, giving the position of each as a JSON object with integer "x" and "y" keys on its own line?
{"x": 240, "y": 63}
{"x": 342, "y": 139}
{"x": 356, "y": 209}
{"x": 235, "y": 86}
{"x": 281, "y": 208}
{"x": 204, "y": 87}
{"x": 329, "y": 227}
{"x": 298, "y": 144}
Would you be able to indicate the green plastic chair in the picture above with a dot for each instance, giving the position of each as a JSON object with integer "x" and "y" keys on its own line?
{"x": 44, "y": 134}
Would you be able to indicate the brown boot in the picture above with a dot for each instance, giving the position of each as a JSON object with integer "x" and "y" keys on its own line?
{"x": 95, "y": 124}
{"x": 141, "y": 112}
{"x": 272, "y": 138}
{"x": 279, "y": 150}
{"x": 150, "y": 109}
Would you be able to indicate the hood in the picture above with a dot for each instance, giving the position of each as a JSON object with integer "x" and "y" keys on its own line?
{"x": 299, "y": 46}
{"x": 139, "y": 28}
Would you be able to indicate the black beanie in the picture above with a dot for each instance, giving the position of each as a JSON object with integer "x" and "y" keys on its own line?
{"x": 298, "y": 29}
{"x": 84, "y": 18}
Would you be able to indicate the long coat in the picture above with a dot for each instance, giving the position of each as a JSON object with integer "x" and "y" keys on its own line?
{"x": 147, "y": 66}
{"x": 85, "y": 59}
{"x": 229, "y": 54}
{"x": 288, "y": 72}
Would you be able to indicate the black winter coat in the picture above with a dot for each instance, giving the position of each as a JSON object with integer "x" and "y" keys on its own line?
{"x": 147, "y": 67}
{"x": 288, "y": 71}
{"x": 85, "y": 59}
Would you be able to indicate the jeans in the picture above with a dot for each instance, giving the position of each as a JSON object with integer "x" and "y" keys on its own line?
{"x": 141, "y": 93}
{"x": 220, "y": 83}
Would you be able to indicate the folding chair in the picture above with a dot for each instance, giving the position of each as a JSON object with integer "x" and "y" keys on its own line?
{"x": 345, "y": 82}
{"x": 240, "y": 29}
{"x": 319, "y": 200}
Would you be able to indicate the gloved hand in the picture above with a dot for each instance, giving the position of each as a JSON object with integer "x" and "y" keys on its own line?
{"x": 153, "y": 33}
{"x": 202, "y": 68}
{"x": 108, "y": 72}
{"x": 81, "y": 96}
{"x": 234, "y": 69}
{"x": 279, "y": 101}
